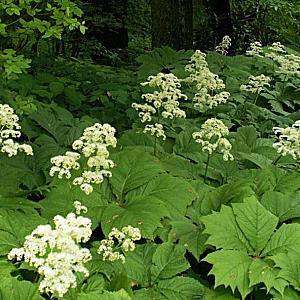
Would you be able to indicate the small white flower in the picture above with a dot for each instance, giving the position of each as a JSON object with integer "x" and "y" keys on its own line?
{"x": 288, "y": 140}
{"x": 9, "y": 130}
{"x": 79, "y": 207}
{"x": 256, "y": 84}
{"x": 224, "y": 45}
{"x": 255, "y": 49}
{"x": 211, "y": 137}
{"x": 156, "y": 129}
{"x": 56, "y": 253}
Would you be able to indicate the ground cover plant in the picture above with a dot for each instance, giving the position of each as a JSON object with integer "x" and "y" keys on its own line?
{"x": 175, "y": 177}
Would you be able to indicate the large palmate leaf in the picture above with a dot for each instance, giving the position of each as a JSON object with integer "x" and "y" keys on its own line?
{"x": 142, "y": 212}
{"x": 224, "y": 231}
{"x": 265, "y": 272}
{"x": 180, "y": 288}
{"x": 283, "y": 205}
{"x": 256, "y": 223}
{"x": 230, "y": 268}
{"x": 289, "y": 263}
{"x": 286, "y": 238}
{"x": 219, "y": 293}
{"x": 13, "y": 289}
{"x": 119, "y": 295}
{"x": 138, "y": 263}
{"x": 244, "y": 267}
{"x": 189, "y": 235}
{"x": 175, "y": 193}
{"x": 134, "y": 168}
{"x": 168, "y": 260}
{"x": 60, "y": 199}
{"x": 15, "y": 225}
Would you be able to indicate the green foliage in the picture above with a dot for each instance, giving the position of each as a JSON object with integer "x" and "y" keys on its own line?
{"x": 252, "y": 252}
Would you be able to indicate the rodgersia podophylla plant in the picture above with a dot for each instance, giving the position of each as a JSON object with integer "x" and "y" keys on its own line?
{"x": 161, "y": 104}
{"x": 9, "y": 130}
{"x": 255, "y": 50}
{"x": 256, "y": 85}
{"x": 212, "y": 139}
{"x": 56, "y": 252}
{"x": 288, "y": 141}
{"x": 208, "y": 85}
{"x": 96, "y": 164}
{"x": 118, "y": 242}
{"x": 224, "y": 45}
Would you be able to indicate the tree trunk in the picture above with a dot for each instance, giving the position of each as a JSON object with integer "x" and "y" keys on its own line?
{"x": 221, "y": 11}
{"x": 172, "y": 23}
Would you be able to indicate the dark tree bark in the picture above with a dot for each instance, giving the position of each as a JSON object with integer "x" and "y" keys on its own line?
{"x": 172, "y": 23}
{"x": 221, "y": 11}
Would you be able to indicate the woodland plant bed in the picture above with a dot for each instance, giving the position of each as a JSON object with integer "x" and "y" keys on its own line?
{"x": 174, "y": 179}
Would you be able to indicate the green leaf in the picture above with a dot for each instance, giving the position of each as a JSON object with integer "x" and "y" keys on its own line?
{"x": 262, "y": 272}
{"x": 134, "y": 168}
{"x": 219, "y": 293}
{"x": 231, "y": 267}
{"x": 289, "y": 263}
{"x": 245, "y": 139}
{"x": 138, "y": 263}
{"x": 142, "y": 212}
{"x": 224, "y": 231}
{"x": 168, "y": 260}
{"x": 119, "y": 295}
{"x": 13, "y": 289}
{"x": 176, "y": 193}
{"x": 56, "y": 88}
{"x": 286, "y": 238}
{"x": 283, "y": 205}
{"x": 289, "y": 294}
{"x": 61, "y": 197}
{"x": 14, "y": 226}
{"x": 256, "y": 223}
{"x": 189, "y": 235}
{"x": 180, "y": 288}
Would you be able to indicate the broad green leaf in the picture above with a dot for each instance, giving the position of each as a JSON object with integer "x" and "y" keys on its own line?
{"x": 231, "y": 267}
{"x": 245, "y": 139}
{"x": 261, "y": 271}
{"x": 256, "y": 222}
{"x": 289, "y": 263}
{"x": 147, "y": 293}
{"x": 60, "y": 199}
{"x": 6, "y": 267}
{"x": 224, "y": 231}
{"x": 289, "y": 294}
{"x": 142, "y": 212}
{"x": 258, "y": 159}
{"x": 288, "y": 182}
{"x": 175, "y": 193}
{"x": 286, "y": 238}
{"x": 134, "y": 168}
{"x": 168, "y": 260}
{"x": 13, "y": 289}
{"x": 283, "y": 205}
{"x": 138, "y": 263}
{"x": 14, "y": 226}
{"x": 180, "y": 288}
{"x": 219, "y": 293}
{"x": 119, "y": 295}
{"x": 189, "y": 235}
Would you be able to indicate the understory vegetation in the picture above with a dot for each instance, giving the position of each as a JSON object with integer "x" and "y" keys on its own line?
{"x": 146, "y": 174}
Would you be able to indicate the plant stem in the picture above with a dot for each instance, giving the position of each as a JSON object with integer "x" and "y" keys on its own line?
{"x": 276, "y": 160}
{"x": 256, "y": 97}
{"x": 155, "y": 144}
{"x": 206, "y": 168}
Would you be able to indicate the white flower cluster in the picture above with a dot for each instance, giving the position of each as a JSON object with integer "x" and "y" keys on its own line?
{"x": 224, "y": 45}
{"x": 164, "y": 102}
{"x": 56, "y": 253}
{"x": 255, "y": 49}
{"x": 288, "y": 140}
{"x": 212, "y": 138}
{"x": 93, "y": 145}
{"x": 207, "y": 83}
{"x": 120, "y": 241}
{"x": 156, "y": 129}
{"x": 289, "y": 64}
{"x": 9, "y": 129}
{"x": 256, "y": 84}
